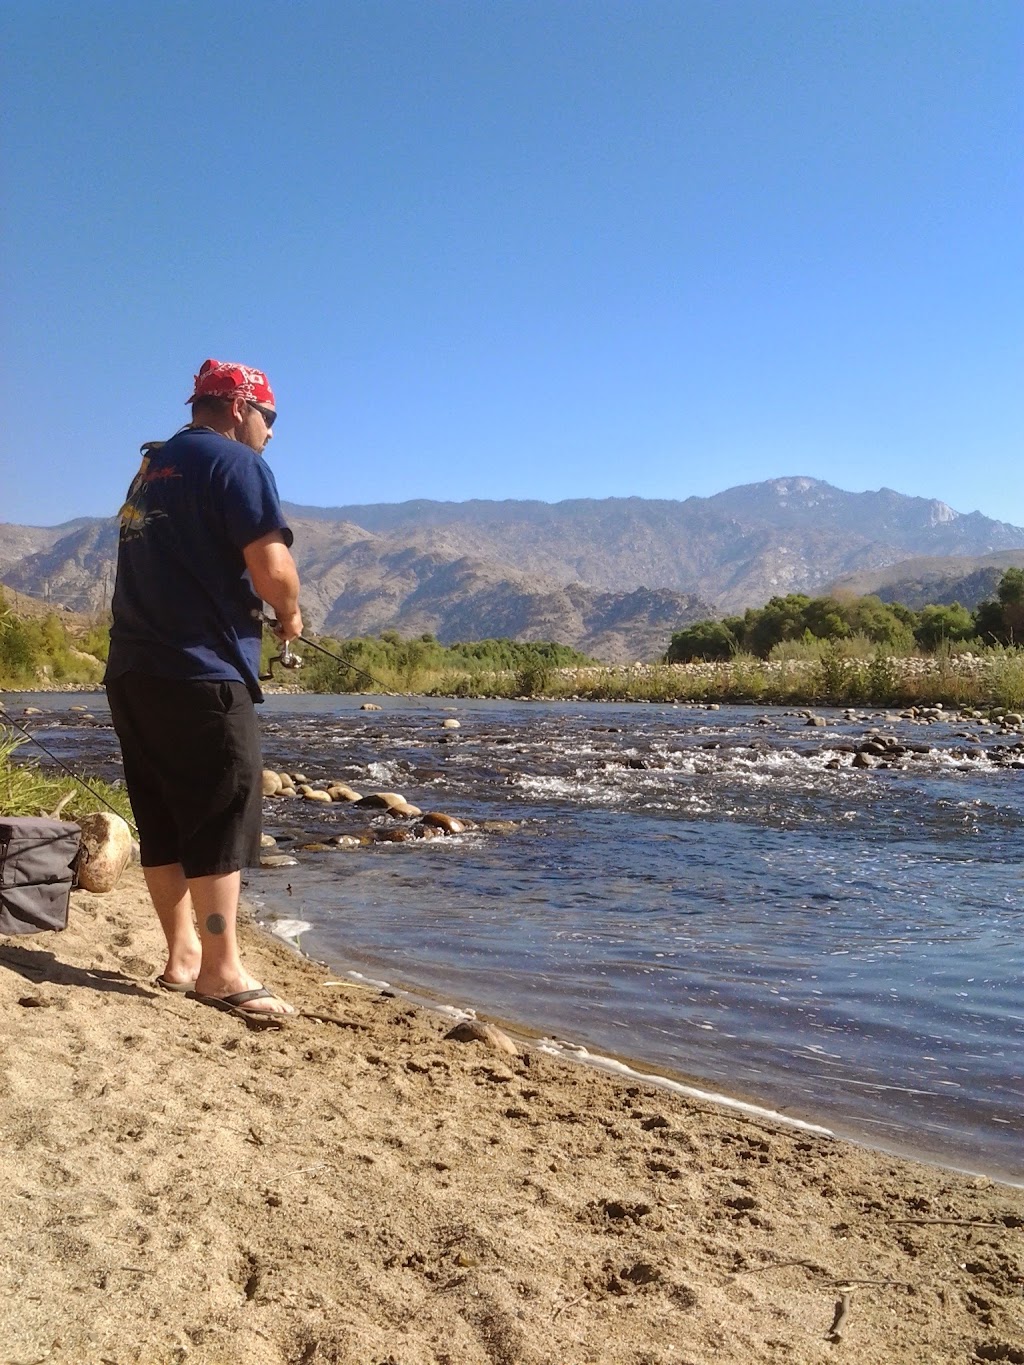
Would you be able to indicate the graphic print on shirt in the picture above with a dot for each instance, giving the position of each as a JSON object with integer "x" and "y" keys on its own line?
{"x": 135, "y": 515}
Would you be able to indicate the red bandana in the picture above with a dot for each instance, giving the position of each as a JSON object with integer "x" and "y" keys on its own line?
{"x": 224, "y": 379}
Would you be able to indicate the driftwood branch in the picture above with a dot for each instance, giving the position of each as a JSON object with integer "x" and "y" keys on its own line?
{"x": 950, "y": 1222}
{"x": 835, "y": 1332}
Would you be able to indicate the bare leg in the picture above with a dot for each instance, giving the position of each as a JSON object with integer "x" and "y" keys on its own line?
{"x": 169, "y": 893}
{"x": 216, "y": 904}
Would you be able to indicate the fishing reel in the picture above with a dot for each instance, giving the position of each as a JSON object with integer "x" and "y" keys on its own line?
{"x": 286, "y": 659}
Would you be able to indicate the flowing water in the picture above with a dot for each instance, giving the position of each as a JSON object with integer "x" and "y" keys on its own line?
{"x": 716, "y": 894}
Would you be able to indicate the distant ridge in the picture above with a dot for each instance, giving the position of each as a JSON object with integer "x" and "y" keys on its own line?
{"x": 736, "y": 548}
{"x": 918, "y": 583}
{"x": 612, "y": 576}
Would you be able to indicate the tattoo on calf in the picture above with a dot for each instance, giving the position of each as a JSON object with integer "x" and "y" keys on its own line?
{"x": 216, "y": 924}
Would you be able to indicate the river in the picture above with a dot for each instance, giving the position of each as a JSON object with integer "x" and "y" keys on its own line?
{"x": 715, "y": 894}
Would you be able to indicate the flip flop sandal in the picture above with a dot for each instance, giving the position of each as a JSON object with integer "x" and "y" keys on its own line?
{"x": 240, "y": 1004}
{"x": 178, "y": 987}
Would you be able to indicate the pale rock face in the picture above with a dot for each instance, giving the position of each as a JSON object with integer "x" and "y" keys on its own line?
{"x": 105, "y": 851}
{"x": 941, "y": 514}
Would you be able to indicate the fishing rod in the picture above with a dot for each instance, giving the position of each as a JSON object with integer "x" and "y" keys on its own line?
{"x": 289, "y": 660}
{"x": 9, "y": 720}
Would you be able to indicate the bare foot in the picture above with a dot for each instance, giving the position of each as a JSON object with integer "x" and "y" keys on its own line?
{"x": 181, "y": 969}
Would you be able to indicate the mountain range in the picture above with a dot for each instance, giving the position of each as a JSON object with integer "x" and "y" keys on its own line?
{"x": 612, "y": 576}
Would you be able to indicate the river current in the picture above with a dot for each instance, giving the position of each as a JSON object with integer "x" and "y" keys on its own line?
{"x": 718, "y": 895}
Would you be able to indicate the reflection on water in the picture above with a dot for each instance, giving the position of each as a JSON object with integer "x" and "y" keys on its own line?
{"x": 718, "y": 893}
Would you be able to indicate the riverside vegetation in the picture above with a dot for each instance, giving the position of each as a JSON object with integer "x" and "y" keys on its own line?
{"x": 26, "y": 790}
{"x": 794, "y": 650}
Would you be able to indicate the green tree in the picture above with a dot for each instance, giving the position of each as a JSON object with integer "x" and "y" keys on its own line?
{"x": 1011, "y": 588}
{"x": 826, "y": 618}
{"x": 19, "y": 650}
{"x": 885, "y": 623}
{"x": 781, "y": 618}
{"x": 1011, "y": 596}
{"x": 940, "y": 624}
{"x": 712, "y": 640}
{"x": 1001, "y": 621}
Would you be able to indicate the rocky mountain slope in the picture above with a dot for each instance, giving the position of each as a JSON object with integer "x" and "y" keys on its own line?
{"x": 612, "y": 576}
{"x": 736, "y": 549}
{"x": 18, "y": 542}
{"x": 356, "y": 583}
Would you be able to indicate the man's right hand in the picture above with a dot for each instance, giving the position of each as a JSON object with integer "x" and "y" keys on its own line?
{"x": 288, "y": 627}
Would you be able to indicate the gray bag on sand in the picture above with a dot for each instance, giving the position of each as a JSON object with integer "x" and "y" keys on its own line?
{"x": 37, "y": 872}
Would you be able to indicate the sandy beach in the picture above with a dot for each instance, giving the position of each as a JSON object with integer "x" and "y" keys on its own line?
{"x": 357, "y": 1189}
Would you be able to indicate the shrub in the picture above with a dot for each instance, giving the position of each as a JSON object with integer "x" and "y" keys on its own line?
{"x": 707, "y": 640}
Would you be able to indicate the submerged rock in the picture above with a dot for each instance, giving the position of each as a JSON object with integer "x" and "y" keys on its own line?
{"x": 499, "y": 826}
{"x": 448, "y": 823}
{"x": 390, "y": 836}
{"x": 381, "y": 801}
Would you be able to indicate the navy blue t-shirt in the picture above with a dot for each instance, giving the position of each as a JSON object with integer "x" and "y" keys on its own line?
{"x": 183, "y": 600}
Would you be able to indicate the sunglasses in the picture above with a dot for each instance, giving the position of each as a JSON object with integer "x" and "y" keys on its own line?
{"x": 268, "y": 414}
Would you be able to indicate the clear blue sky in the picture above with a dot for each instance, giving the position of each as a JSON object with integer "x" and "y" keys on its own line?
{"x": 518, "y": 248}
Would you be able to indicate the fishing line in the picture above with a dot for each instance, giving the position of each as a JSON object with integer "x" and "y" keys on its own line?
{"x": 286, "y": 658}
{"x": 9, "y": 720}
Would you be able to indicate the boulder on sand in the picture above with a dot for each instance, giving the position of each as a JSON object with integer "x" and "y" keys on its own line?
{"x": 475, "y": 1031}
{"x": 105, "y": 850}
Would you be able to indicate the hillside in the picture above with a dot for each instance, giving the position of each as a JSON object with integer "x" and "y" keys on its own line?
{"x": 919, "y": 582}
{"x": 23, "y": 605}
{"x": 613, "y": 577}
{"x": 735, "y": 549}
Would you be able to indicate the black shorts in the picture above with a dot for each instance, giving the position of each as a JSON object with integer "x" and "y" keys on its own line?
{"x": 192, "y": 765}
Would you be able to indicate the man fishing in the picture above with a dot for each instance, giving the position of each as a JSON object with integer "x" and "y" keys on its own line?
{"x": 203, "y": 541}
